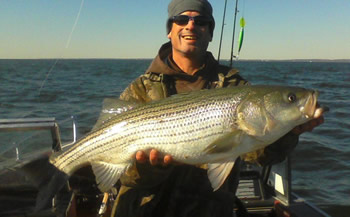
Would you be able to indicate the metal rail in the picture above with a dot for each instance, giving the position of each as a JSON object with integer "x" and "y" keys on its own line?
{"x": 28, "y": 124}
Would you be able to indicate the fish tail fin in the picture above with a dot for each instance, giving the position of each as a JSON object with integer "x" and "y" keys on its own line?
{"x": 47, "y": 178}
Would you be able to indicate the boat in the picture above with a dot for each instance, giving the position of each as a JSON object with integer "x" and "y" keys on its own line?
{"x": 263, "y": 191}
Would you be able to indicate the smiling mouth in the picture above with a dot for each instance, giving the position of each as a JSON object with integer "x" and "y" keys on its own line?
{"x": 190, "y": 37}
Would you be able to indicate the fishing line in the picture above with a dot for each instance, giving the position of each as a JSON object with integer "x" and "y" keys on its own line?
{"x": 243, "y": 8}
{"x": 67, "y": 45}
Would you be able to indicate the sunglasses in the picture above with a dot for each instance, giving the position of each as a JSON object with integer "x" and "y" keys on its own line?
{"x": 182, "y": 20}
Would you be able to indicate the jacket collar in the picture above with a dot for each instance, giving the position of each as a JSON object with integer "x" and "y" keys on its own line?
{"x": 162, "y": 64}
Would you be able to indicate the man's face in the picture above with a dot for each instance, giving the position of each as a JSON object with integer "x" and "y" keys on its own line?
{"x": 189, "y": 39}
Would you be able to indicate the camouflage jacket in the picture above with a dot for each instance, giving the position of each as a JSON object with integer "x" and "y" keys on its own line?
{"x": 184, "y": 190}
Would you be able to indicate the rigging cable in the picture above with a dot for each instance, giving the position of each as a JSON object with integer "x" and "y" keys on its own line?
{"x": 67, "y": 45}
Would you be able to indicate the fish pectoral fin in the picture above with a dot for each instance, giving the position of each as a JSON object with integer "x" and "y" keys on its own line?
{"x": 218, "y": 172}
{"x": 107, "y": 174}
{"x": 225, "y": 143}
{"x": 247, "y": 127}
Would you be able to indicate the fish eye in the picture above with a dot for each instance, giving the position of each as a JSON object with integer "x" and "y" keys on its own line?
{"x": 292, "y": 97}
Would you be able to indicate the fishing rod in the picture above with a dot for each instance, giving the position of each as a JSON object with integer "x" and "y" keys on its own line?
{"x": 222, "y": 31}
{"x": 233, "y": 33}
{"x": 242, "y": 23}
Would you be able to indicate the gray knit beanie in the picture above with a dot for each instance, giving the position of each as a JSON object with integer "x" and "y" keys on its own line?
{"x": 177, "y": 7}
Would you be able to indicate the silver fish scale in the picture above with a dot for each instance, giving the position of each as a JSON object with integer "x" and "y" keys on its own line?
{"x": 182, "y": 125}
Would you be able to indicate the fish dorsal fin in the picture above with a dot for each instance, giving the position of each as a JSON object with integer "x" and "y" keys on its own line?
{"x": 112, "y": 107}
{"x": 224, "y": 144}
{"x": 218, "y": 172}
{"x": 107, "y": 174}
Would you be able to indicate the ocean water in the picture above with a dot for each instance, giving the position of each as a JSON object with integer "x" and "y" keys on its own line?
{"x": 65, "y": 88}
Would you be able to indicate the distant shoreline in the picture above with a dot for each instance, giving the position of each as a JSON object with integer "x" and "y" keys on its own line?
{"x": 240, "y": 60}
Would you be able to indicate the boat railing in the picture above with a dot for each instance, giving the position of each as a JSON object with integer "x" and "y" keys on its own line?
{"x": 74, "y": 129}
{"x": 24, "y": 139}
{"x": 33, "y": 124}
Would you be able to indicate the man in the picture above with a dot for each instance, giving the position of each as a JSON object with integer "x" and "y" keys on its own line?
{"x": 159, "y": 186}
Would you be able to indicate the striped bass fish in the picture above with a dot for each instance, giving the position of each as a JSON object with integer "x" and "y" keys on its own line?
{"x": 211, "y": 127}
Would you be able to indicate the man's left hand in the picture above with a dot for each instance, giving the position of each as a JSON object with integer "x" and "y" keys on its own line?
{"x": 308, "y": 126}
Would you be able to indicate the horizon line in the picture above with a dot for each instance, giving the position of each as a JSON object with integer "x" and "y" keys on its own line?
{"x": 99, "y": 58}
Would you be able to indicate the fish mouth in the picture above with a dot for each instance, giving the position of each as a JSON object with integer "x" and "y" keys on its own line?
{"x": 310, "y": 106}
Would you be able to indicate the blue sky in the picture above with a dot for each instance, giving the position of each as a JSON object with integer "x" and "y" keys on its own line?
{"x": 275, "y": 29}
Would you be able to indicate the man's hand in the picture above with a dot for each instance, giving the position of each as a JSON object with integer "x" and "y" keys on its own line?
{"x": 308, "y": 126}
{"x": 154, "y": 158}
